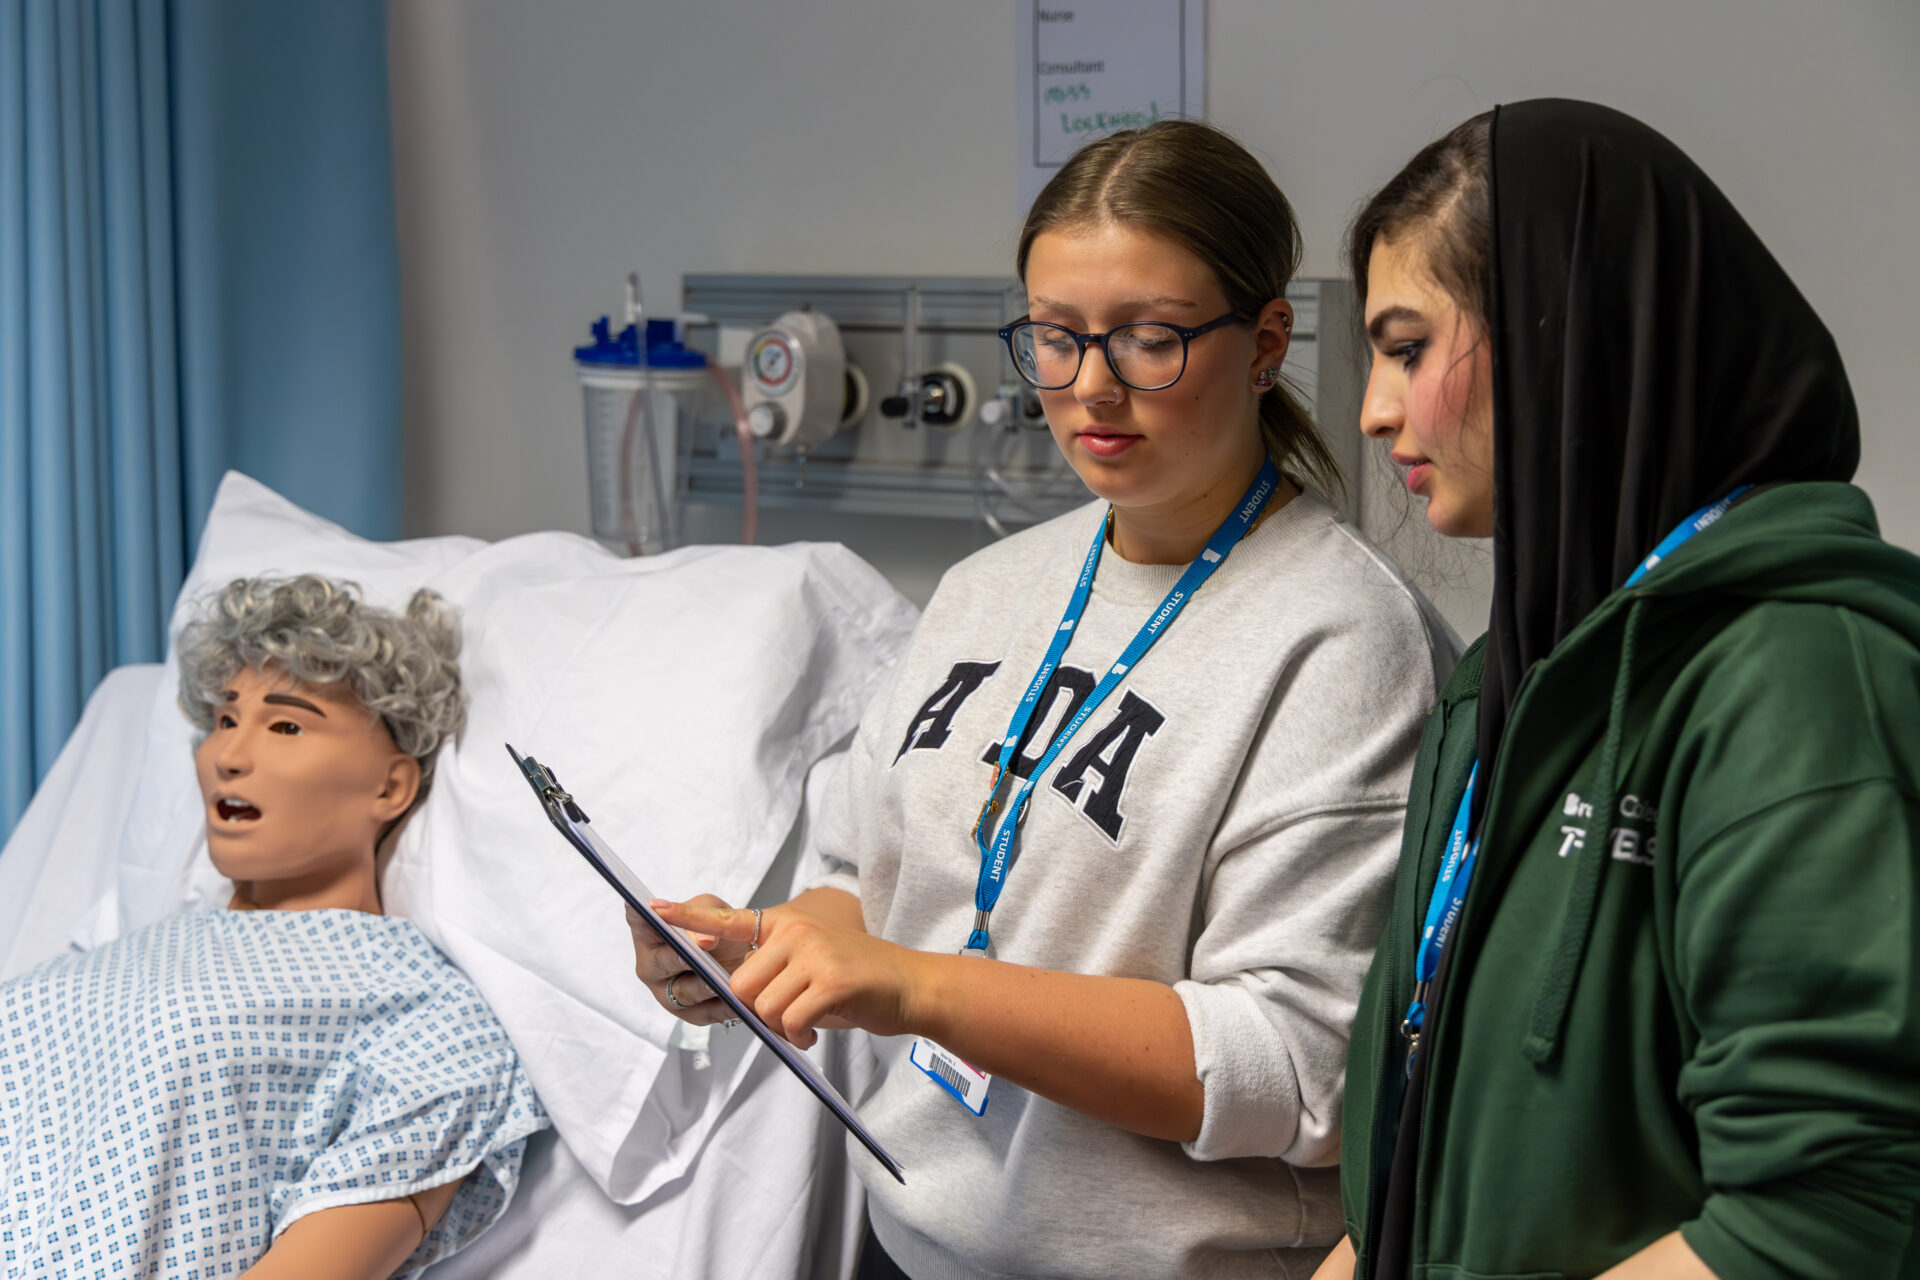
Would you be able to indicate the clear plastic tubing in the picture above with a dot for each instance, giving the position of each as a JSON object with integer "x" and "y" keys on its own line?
{"x": 642, "y": 403}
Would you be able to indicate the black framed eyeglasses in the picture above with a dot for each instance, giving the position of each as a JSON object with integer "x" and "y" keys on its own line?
{"x": 1148, "y": 356}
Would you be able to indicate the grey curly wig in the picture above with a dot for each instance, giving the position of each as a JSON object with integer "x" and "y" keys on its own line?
{"x": 406, "y": 670}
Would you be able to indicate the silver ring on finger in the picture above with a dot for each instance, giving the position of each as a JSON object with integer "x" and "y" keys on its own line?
{"x": 673, "y": 999}
{"x": 755, "y": 944}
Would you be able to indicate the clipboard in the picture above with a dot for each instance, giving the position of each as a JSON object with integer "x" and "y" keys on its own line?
{"x": 572, "y": 823}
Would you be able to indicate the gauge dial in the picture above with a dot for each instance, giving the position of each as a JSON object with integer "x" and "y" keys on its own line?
{"x": 773, "y": 362}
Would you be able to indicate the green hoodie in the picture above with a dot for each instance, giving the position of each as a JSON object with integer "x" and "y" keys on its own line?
{"x": 1703, "y": 1011}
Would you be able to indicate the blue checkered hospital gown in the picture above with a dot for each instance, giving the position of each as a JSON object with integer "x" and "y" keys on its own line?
{"x": 171, "y": 1101}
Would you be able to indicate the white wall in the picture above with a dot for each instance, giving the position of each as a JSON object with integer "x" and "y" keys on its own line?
{"x": 545, "y": 149}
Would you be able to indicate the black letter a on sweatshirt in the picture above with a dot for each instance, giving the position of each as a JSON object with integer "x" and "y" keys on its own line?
{"x": 1110, "y": 755}
{"x": 930, "y": 727}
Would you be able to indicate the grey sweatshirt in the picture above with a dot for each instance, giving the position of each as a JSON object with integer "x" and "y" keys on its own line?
{"x": 1226, "y": 822}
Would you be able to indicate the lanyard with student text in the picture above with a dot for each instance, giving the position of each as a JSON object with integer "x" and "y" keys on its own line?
{"x": 1450, "y": 890}
{"x": 1693, "y": 524}
{"x": 997, "y": 846}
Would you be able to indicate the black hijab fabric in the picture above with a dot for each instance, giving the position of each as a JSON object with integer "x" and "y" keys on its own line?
{"x": 1649, "y": 356}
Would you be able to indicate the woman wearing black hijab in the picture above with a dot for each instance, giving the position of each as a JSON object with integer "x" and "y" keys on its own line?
{"x": 1649, "y": 1000}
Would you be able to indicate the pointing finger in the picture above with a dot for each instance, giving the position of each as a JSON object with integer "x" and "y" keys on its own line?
{"x": 732, "y": 923}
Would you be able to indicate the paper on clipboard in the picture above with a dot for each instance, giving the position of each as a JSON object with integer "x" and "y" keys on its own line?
{"x": 572, "y": 823}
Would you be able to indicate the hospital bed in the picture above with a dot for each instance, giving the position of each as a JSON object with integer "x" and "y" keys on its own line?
{"x": 694, "y": 702}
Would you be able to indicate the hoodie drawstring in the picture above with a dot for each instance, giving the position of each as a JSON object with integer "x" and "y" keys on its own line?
{"x": 1542, "y": 1041}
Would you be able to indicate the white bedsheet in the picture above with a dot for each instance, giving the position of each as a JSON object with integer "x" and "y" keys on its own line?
{"x": 772, "y": 1195}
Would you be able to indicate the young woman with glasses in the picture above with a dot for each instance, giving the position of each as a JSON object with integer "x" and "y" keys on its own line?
{"x": 1160, "y": 725}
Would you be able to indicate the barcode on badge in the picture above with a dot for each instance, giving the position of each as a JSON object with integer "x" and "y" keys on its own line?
{"x": 952, "y": 1077}
{"x": 952, "y": 1074}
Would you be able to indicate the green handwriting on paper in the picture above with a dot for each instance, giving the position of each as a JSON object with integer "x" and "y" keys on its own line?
{"x": 1106, "y": 121}
{"x": 1059, "y": 93}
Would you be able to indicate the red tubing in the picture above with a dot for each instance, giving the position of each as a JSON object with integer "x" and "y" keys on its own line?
{"x": 749, "y": 470}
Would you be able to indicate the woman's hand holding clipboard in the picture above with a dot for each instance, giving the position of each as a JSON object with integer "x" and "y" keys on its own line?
{"x": 571, "y": 821}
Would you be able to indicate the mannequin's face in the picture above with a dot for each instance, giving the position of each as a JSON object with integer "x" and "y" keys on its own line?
{"x": 1152, "y": 454}
{"x": 298, "y": 781}
{"x": 1429, "y": 395}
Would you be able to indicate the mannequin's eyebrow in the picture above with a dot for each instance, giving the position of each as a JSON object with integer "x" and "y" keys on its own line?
{"x": 288, "y": 700}
{"x": 1378, "y": 325}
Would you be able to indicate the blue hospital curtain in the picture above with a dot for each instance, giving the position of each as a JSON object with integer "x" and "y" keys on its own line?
{"x": 197, "y": 271}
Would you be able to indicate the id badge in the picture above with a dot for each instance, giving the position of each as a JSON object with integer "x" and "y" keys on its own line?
{"x": 952, "y": 1074}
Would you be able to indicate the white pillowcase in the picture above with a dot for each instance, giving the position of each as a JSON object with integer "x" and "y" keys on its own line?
{"x": 682, "y": 698}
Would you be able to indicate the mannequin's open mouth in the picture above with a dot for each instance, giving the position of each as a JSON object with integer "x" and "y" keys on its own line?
{"x": 236, "y": 811}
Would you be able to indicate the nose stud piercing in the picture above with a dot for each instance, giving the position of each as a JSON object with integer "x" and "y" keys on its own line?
{"x": 1264, "y": 380}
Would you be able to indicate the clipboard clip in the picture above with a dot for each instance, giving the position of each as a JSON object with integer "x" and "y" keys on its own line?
{"x": 548, "y": 787}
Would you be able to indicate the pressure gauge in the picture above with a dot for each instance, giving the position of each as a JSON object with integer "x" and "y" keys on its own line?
{"x": 794, "y": 380}
{"x": 772, "y": 363}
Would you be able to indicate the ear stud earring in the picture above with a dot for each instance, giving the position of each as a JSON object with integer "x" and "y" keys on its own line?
{"x": 1264, "y": 380}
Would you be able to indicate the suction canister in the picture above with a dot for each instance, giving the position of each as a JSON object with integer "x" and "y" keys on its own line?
{"x": 635, "y": 396}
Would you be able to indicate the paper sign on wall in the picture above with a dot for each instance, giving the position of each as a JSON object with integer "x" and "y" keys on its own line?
{"x": 1091, "y": 67}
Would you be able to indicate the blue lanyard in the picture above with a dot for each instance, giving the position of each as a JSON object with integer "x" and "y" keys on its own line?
{"x": 1450, "y": 890}
{"x": 997, "y": 851}
{"x": 1443, "y": 908}
{"x": 1692, "y": 525}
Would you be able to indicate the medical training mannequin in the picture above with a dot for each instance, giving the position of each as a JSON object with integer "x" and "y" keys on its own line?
{"x": 320, "y": 717}
{"x": 1164, "y": 989}
{"x": 1663, "y": 1020}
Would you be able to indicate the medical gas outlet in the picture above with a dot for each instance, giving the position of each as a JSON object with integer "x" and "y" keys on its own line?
{"x": 797, "y": 384}
{"x": 1013, "y": 408}
{"x": 944, "y": 396}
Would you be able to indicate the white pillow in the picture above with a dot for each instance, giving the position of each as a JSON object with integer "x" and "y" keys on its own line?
{"x": 682, "y": 698}
{"x": 58, "y": 864}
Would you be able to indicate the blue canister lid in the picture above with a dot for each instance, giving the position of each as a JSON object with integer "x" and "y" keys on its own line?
{"x": 606, "y": 349}
{"x": 663, "y": 350}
